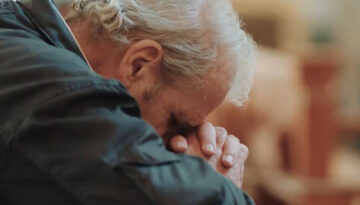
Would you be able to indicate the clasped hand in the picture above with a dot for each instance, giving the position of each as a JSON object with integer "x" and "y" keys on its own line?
{"x": 224, "y": 152}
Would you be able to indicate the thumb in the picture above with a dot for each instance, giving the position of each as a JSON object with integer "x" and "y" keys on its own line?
{"x": 178, "y": 144}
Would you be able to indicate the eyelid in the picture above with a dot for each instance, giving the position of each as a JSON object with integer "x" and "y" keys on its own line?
{"x": 187, "y": 129}
{"x": 181, "y": 128}
{"x": 173, "y": 120}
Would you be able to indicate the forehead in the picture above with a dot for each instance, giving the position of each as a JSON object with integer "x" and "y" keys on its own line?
{"x": 195, "y": 103}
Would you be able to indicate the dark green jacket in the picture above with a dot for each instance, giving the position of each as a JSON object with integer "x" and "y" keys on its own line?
{"x": 68, "y": 136}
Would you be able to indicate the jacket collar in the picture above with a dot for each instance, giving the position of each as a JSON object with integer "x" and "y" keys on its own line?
{"x": 47, "y": 18}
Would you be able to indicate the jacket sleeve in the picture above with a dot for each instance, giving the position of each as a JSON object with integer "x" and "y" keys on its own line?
{"x": 74, "y": 135}
{"x": 85, "y": 135}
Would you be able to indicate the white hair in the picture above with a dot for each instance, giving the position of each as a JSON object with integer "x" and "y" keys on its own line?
{"x": 191, "y": 32}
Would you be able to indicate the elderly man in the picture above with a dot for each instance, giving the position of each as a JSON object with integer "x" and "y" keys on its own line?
{"x": 72, "y": 134}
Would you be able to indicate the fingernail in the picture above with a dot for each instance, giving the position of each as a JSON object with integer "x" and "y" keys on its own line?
{"x": 181, "y": 145}
{"x": 229, "y": 159}
{"x": 210, "y": 148}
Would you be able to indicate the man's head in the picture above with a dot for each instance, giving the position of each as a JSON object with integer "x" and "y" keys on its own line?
{"x": 178, "y": 58}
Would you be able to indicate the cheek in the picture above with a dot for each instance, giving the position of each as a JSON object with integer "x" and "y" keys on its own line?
{"x": 154, "y": 110}
{"x": 155, "y": 115}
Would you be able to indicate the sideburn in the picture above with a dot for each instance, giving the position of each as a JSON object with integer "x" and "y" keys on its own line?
{"x": 151, "y": 93}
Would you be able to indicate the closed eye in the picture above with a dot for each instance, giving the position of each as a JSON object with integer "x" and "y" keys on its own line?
{"x": 178, "y": 127}
{"x": 173, "y": 121}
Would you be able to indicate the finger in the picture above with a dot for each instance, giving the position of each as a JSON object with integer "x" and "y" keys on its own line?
{"x": 178, "y": 144}
{"x": 207, "y": 137}
{"x": 231, "y": 151}
{"x": 244, "y": 154}
{"x": 242, "y": 176}
{"x": 221, "y": 135}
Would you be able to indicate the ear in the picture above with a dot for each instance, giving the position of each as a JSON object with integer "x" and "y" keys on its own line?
{"x": 141, "y": 61}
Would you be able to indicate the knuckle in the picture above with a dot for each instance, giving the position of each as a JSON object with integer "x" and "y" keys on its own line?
{"x": 220, "y": 139}
{"x": 221, "y": 131}
{"x": 234, "y": 139}
{"x": 244, "y": 148}
{"x": 207, "y": 132}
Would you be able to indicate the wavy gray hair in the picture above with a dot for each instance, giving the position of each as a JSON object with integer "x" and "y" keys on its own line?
{"x": 191, "y": 32}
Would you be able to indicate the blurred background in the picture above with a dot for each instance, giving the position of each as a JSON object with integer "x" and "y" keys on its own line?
{"x": 302, "y": 122}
